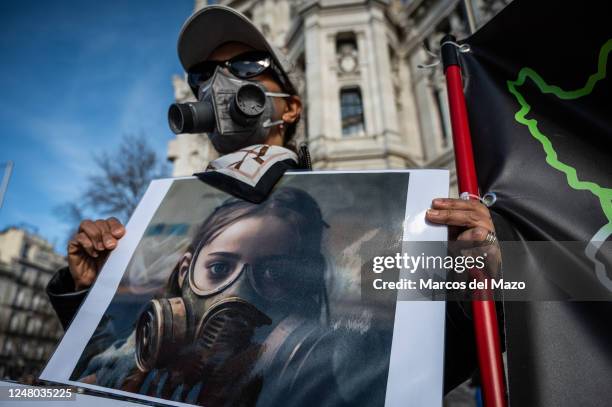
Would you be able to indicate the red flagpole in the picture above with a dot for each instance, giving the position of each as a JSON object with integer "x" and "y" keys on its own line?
{"x": 484, "y": 314}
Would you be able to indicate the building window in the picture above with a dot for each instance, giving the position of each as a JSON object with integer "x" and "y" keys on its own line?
{"x": 25, "y": 250}
{"x": 346, "y": 42}
{"x": 442, "y": 112}
{"x": 442, "y": 116}
{"x": 351, "y": 108}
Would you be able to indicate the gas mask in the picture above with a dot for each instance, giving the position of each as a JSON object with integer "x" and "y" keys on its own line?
{"x": 235, "y": 113}
{"x": 221, "y": 312}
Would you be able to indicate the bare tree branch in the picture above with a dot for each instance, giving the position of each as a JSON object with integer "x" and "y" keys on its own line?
{"x": 120, "y": 180}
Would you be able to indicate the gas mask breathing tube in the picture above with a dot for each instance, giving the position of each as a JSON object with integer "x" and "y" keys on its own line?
{"x": 235, "y": 113}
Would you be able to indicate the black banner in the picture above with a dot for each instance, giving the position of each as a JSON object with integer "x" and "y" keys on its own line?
{"x": 539, "y": 93}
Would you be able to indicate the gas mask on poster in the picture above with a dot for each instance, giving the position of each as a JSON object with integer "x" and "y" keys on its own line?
{"x": 234, "y": 112}
{"x": 227, "y": 306}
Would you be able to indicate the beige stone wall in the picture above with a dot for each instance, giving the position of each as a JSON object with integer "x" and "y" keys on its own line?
{"x": 10, "y": 244}
{"x": 37, "y": 250}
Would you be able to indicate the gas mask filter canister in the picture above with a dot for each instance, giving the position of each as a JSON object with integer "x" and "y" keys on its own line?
{"x": 164, "y": 331}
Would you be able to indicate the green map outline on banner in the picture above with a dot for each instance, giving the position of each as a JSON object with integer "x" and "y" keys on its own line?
{"x": 603, "y": 194}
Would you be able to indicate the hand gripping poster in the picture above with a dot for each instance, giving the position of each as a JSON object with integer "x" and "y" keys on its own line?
{"x": 215, "y": 301}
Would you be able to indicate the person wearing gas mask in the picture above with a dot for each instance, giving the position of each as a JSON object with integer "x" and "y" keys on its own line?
{"x": 249, "y": 107}
{"x": 245, "y": 323}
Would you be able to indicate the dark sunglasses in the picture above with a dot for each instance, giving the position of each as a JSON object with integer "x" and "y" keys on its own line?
{"x": 243, "y": 66}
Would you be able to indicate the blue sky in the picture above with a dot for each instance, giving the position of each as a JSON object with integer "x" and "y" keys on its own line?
{"x": 75, "y": 76}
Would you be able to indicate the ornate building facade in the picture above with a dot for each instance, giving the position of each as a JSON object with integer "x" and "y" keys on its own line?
{"x": 368, "y": 104}
{"x": 29, "y": 328}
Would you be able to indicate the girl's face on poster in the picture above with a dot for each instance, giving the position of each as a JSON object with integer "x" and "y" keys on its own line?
{"x": 263, "y": 245}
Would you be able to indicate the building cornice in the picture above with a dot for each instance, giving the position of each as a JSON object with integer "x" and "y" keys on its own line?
{"x": 429, "y": 24}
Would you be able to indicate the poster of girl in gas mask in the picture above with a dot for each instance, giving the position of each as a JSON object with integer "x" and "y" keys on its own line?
{"x": 215, "y": 301}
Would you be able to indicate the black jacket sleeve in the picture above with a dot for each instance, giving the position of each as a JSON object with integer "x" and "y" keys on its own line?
{"x": 63, "y": 297}
{"x": 460, "y": 359}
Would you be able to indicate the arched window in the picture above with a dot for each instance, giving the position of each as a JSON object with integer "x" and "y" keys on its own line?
{"x": 351, "y": 108}
{"x": 346, "y": 42}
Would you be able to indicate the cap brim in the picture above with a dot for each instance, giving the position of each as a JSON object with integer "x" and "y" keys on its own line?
{"x": 215, "y": 25}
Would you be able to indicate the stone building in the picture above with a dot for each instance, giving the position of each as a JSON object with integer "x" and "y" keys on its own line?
{"x": 368, "y": 105}
{"x": 29, "y": 329}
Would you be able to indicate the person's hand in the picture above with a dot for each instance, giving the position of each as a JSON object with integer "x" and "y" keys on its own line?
{"x": 470, "y": 221}
{"x": 89, "y": 248}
